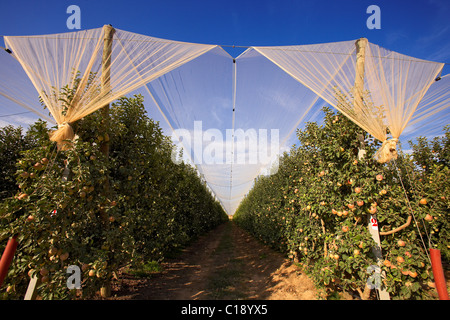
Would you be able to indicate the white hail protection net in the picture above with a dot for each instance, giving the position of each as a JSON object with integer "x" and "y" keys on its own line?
{"x": 70, "y": 64}
{"x": 233, "y": 117}
{"x": 19, "y": 103}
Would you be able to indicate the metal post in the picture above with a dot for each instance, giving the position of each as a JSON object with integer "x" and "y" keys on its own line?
{"x": 438, "y": 273}
{"x": 7, "y": 258}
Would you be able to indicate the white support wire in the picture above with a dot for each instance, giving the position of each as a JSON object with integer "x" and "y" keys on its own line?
{"x": 412, "y": 212}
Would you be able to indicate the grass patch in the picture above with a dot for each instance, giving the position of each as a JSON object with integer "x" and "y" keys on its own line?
{"x": 147, "y": 270}
{"x": 226, "y": 242}
{"x": 223, "y": 283}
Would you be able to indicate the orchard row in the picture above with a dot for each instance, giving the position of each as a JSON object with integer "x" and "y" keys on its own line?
{"x": 81, "y": 207}
{"x": 317, "y": 208}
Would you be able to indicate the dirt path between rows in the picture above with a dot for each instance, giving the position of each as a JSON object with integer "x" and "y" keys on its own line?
{"x": 227, "y": 263}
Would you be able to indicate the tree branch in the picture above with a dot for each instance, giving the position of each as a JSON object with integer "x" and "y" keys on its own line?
{"x": 408, "y": 222}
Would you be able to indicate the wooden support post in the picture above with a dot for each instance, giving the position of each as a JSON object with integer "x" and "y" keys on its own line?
{"x": 359, "y": 75}
{"x": 361, "y": 149}
{"x": 358, "y": 106}
{"x": 31, "y": 293}
{"x": 108, "y": 32}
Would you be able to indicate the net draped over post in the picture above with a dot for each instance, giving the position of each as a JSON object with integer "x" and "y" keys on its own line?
{"x": 69, "y": 64}
{"x": 233, "y": 116}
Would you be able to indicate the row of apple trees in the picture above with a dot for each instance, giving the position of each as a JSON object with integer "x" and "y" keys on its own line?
{"x": 317, "y": 207}
{"x": 100, "y": 213}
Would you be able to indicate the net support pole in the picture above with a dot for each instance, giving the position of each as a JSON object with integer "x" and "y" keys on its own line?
{"x": 358, "y": 107}
{"x": 358, "y": 89}
{"x": 108, "y": 34}
{"x": 31, "y": 293}
{"x": 438, "y": 273}
{"x": 7, "y": 257}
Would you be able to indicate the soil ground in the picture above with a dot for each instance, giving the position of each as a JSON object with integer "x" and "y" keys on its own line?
{"x": 225, "y": 264}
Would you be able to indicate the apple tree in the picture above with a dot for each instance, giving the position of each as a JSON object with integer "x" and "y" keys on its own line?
{"x": 317, "y": 207}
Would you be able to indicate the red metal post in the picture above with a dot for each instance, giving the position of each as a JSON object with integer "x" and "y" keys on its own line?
{"x": 438, "y": 273}
{"x": 7, "y": 258}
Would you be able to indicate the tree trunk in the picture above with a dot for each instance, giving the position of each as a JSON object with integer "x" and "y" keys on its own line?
{"x": 364, "y": 295}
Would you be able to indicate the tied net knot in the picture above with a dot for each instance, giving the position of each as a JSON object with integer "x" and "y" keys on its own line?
{"x": 388, "y": 151}
{"x": 63, "y": 136}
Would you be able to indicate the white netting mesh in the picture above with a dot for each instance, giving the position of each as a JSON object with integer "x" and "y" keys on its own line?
{"x": 72, "y": 62}
{"x": 233, "y": 116}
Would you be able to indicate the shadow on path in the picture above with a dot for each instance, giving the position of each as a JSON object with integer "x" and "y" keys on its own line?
{"x": 225, "y": 264}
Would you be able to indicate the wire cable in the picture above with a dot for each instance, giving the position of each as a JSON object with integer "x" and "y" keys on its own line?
{"x": 15, "y": 114}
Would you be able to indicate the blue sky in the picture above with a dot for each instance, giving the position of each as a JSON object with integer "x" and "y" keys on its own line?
{"x": 419, "y": 28}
